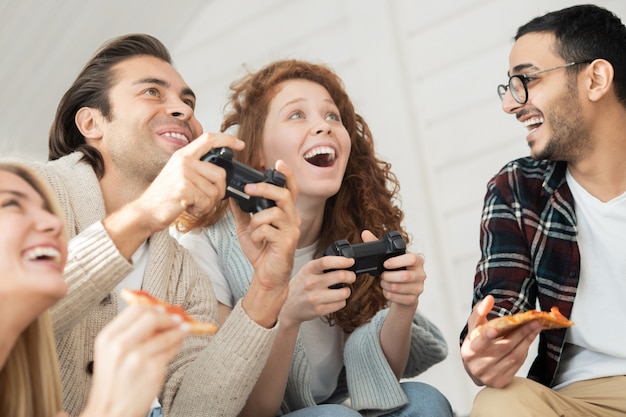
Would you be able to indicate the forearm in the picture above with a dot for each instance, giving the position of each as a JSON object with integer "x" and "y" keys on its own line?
{"x": 395, "y": 337}
{"x": 269, "y": 391}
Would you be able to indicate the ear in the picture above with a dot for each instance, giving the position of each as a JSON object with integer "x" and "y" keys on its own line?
{"x": 600, "y": 81}
{"x": 89, "y": 122}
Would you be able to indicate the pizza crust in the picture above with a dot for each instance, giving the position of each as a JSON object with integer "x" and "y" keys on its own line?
{"x": 139, "y": 297}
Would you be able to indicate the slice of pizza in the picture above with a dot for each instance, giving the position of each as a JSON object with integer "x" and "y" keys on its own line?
{"x": 139, "y": 297}
{"x": 549, "y": 320}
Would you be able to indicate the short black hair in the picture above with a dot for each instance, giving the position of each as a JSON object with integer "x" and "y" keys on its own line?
{"x": 586, "y": 32}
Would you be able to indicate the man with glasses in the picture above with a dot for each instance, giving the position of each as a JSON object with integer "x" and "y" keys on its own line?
{"x": 554, "y": 225}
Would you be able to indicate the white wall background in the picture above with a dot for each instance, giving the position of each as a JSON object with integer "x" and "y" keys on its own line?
{"x": 422, "y": 73}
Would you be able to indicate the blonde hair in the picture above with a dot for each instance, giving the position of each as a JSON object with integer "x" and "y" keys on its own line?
{"x": 30, "y": 385}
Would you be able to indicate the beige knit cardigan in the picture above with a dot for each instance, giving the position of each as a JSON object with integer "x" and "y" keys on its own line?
{"x": 210, "y": 376}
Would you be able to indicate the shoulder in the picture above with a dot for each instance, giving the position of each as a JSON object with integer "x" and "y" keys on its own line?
{"x": 526, "y": 177}
{"x": 525, "y": 168}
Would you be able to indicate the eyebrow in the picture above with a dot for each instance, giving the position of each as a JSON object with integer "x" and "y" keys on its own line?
{"x": 186, "y": 91}
{"x": 299, "y": 99}
{"x": 520, "y": 67}
{"x": 13, "y": 192}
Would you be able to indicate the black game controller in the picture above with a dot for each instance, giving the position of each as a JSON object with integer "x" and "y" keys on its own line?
{"x": 239, "y": 174}
{"x": 369, "y": 256}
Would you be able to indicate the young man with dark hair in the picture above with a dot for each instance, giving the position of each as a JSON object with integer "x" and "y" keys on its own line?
{"x": 553, "y": 225}
{"x": 125, "y": 151}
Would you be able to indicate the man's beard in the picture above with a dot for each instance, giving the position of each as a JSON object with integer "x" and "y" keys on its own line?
{"x": 570, "y": 136}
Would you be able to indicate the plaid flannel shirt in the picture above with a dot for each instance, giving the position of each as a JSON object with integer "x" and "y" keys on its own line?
{"x": 529, "y": 250}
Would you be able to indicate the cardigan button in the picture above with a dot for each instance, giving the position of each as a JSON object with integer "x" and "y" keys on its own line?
{"x": 89, "y": 367}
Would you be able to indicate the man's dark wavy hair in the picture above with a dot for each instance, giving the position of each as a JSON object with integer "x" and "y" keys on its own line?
{"x": 91, "y": 89}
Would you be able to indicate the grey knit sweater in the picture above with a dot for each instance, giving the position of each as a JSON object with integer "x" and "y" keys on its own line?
{"x": 367, "y": 378}
{"x": 210, "y": 376}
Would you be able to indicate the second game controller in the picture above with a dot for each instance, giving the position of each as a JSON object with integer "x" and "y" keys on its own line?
{"x": 369, "y": 256}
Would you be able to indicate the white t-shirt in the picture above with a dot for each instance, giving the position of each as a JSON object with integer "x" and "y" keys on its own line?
{"x": 134, "y": 281}
{"x": 596, "y": 344}
{"x": 323, "y": 344}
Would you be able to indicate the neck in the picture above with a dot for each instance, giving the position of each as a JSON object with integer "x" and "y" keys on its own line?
{"x": 118, "y": 191}
{"x": 311, "y": 213}
{"x": 601, "y": 169}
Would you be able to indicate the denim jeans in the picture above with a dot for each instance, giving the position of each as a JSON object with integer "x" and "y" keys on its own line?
{"x": 155, "y": 412}
{"x": 325, "y": 410}
{"x": 424, "y": 401}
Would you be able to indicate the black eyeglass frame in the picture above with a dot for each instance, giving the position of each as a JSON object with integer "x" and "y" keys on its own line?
{"x": 502, "y": 89}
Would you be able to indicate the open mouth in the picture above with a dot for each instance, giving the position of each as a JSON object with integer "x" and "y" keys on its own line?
{"x": 43, "y": 254}
{"x": 323, "y": 156}
{"x": 175, "y": 135}
{"x": 533, "y": 123}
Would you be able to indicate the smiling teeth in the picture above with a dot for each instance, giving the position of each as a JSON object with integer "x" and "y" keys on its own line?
{"x": 322, "y": 150}
{"x": 43, "y": 252}
{"x": 177, "y": 136}
{"x": 533, "y": 121}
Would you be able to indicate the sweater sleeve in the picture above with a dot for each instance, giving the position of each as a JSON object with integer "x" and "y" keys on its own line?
{"x": 93, "y": 269}
{"x": 374, "y": 388}
{"x": 221, "y": 377}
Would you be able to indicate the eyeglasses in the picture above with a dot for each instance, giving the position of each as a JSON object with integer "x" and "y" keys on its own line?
{"x": 518, "y": 83}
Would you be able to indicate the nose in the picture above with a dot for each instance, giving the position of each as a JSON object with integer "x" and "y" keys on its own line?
{"x": 322, "y": 127}
{"x": 182, "y": 111}
{"x": 509, "y": 104}
{"x": 48, "y": 222}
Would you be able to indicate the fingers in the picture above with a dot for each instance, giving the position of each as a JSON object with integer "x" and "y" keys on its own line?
{"x": 492, "y": 359}
{"x": 136, "y": 323}
{"x": 368, "y": 236}
{"x": 495, "y": 361}
{"x": 206, "y": 141}
{"x": 333, "y": 270}
{"x": 131, "y": 356}
{"x": 309, "y": 296}
{"x": 479, "y": 317}
{"x": 403, "y": 281}
{"x": 284, "y": 197}
{"x": 186, "y": 183}
{"x": 269, "y": 237}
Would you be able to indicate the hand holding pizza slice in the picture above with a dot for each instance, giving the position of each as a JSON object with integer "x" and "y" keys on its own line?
{"x": 505, "y": 324}
{"x": 139, "y": 297}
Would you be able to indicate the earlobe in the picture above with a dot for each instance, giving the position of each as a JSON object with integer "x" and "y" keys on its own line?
{"x": 601, "y": 74}
{"x": 88, "y": 120}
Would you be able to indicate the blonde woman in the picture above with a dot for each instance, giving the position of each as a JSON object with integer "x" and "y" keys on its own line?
{"x": 131, "y": 353}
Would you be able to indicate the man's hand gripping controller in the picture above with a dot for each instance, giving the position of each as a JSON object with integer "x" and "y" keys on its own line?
{"x": 369, "y": 256}
{"x": 239, "y": 174}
